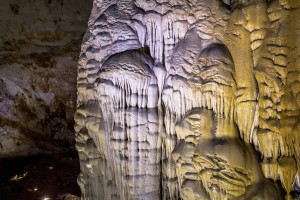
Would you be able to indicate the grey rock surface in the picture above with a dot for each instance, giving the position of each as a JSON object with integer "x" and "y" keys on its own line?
{"x": 39, "y": 48}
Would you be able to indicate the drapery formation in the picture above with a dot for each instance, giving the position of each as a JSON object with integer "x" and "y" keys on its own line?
{"x": 174, "y": 97}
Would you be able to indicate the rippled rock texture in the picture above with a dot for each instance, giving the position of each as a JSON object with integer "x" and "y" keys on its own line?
{"x": 195, "y": 99}
{"x": 39, "y": 47}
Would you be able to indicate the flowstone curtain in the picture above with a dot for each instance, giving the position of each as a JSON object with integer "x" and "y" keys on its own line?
{"x": 190, "y": 99}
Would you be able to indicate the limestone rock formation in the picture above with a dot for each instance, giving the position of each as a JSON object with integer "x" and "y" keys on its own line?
{"x": 177, "y": 100}
{"x": 39, "y": 48}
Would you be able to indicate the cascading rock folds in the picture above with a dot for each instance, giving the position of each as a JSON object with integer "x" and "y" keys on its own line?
{"x": 190, "y": 99}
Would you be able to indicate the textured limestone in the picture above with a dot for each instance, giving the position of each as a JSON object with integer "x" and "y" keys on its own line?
{"x": 37, "y": 103}
{"x": 174, "y": 97}
{"x": 39, "y": 46}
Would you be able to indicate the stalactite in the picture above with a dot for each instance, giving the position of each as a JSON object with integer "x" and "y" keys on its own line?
{"x": 183, "y": 121}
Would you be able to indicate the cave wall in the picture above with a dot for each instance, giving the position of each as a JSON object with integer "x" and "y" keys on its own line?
{"x": 191, "y": 99}
{"x": 39, "y": 48}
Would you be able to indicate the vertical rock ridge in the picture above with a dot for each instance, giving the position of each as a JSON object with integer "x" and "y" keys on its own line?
{"x": 184, "y": 91}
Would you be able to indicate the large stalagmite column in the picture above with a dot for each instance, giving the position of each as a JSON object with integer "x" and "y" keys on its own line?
{"x": 174, "y": 97}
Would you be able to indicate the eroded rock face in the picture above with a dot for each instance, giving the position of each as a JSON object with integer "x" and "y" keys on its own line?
{"x": 216, "y": 164}
{"x": 39, "y": 45}
{"x": 175, "y": 98}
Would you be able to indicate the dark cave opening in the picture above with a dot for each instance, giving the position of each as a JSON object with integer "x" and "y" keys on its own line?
{"x": 39, "y": 177}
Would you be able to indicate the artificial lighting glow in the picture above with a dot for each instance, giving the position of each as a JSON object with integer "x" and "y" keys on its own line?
{"x": 50, "y": 167}
{"x": 46, "y": 198}
{"x": 33, "y": 190}
{"x": 19, "y": 177}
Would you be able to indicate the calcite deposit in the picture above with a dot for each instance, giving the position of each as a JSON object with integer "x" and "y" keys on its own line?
{"x": 190, "y": 99}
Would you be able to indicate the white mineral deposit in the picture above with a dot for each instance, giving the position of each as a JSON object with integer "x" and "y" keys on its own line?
{"x": 189, "y": 99}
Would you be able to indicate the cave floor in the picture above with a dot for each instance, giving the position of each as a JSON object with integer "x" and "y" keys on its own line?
{"x": 50, "y": 177}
